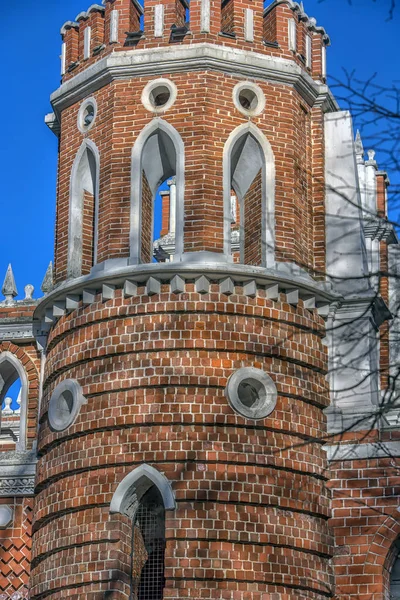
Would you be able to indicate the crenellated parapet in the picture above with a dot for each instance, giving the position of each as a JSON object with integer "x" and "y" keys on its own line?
{"x": 282, "y": 29}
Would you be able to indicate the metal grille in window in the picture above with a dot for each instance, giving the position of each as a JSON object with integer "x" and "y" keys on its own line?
{"x": 148, "y": 548}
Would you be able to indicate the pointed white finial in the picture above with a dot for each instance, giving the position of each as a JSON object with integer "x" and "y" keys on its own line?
{"x": 358, "y": 144}
{"x": 47, "y": 283}
{"x": 7, "y": 407}
{"x": 9, "y": 288}
{"x": 29, "y": 289}
{"x": 371, "y": 154}
{"x": 302, "y": 7}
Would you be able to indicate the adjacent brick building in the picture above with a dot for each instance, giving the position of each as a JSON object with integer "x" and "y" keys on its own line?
{"x": 208, "y": 403}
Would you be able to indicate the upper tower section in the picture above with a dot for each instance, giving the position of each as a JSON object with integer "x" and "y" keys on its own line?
{"x": 282, "y": 29}
{"x": 221, "y": 103}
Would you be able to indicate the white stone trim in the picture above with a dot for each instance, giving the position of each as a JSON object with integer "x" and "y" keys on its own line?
{"x": 114, "y": 26}
{"x": 268, "y": 394}
{"x": 202, "y": 56}
{"x": 141, "y": 479}
{"x": 136, "y": 187}
{"x": 292, "y": 33}
{"x": 249, "y": 25}
{"x": 75, "y": 219}
{"x": 205, "y": 16}
{"x": 363, "y": 451}
{"x": 63, "y": 58}
{"x": 159, "y": 20}
{"x": 60, "y": 421}
{"x": 268, "y": 191}
{"x": 87, "y": 43}
{"x": 308, "y": 52}
{"x": 150, "y": 87}
{"x": 7, "y": 356}
{"x": 81, "y": 113}
{"x": 259, "y": 94}
{"x": 324, "y": 62}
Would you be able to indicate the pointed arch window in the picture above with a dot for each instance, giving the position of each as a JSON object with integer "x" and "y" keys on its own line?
{"x": 249, "y": 170}
{"x": 82, "y": 245}
{"x": 14, "y": 414}
{"x": 395, "y": 573}
{"x": 157, "y": 156}
{"x": 144, "y": 496}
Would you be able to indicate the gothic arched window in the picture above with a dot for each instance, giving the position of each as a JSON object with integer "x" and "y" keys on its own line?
{"x": 157, "y": 156}
{"x": 83, "y": 211}
{"x": 395, "y": 573}
{"x": 14, "y": 407}
{"x": 143, "y": 497}
{"x": 249, "y": 170}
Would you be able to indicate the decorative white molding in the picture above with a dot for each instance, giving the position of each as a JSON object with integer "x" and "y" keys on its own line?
{"x": 204, "y": 56}
{"x": 87, "y": 42}
{"x": 63, "y": 58}
{"x": 249, "y": 25}
{"x": 292, "y": 31}
{"x": 159, "y": 20}
{"x": 363, "y": 451}
{"x": 308, "y": 52}
{"x": 114, "y": 26}
{"x": 17, "y": 473}
{"x": 16, "y": 331}
{"x": 205, "y": 16}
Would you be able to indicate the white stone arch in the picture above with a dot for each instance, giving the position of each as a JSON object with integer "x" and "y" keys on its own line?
{"x": 241, "y": 179}
{"x": 167, "y": 141}
{"x": 133, "y": 487}
{"x": 11, "y": 370}
{"x": 85, "y": 175}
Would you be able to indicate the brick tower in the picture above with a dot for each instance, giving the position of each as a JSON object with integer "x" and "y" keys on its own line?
{"x": 203, "y": 244}
{"x": 178, "y": 393}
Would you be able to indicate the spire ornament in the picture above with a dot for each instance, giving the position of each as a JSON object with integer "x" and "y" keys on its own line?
{"x": 47, "y": 283}
{"x": 359, "y": 145}
{"x": 9, "y": 289}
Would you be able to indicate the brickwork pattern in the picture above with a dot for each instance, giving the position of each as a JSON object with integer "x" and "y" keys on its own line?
{"x": 249, "y": 497}
{"x": 15, "y": 550}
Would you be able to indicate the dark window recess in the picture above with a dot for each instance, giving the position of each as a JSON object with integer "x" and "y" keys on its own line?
{"x": 148, "y": 548}
{"x": 98, "y": 49}
{"x": 133, "y": 37}
{"x": 178, "y": 33}
{"x": 271, "y": 44}
{"x": 73, "y": 66}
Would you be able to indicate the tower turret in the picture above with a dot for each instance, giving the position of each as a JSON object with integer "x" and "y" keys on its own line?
{"x": 185, "y": 370}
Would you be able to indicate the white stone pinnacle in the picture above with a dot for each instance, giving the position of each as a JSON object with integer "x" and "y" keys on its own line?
{"x": 9, "y": 288}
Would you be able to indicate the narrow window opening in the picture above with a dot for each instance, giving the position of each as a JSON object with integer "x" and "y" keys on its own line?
{"x": 158, "y": 212}
{"x": 395, "y": 572}
{"x": 12, "y": 403}
{"x": 82, "y": 215}
{"x": 247, "y": 183}
{"x": 148, "y": 548}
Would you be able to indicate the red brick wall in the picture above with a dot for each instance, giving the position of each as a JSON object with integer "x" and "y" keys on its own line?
{"x": 147, "y": 220}
{"x": 249, "y": 497}
{"x": 121, "y": 117}
{"x": 365, "y": 522}
{"x": 88, "y": 232}
{"x": 253, "y": 222}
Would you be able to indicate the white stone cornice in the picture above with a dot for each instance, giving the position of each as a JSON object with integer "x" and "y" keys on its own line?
{"x": 363, "y": 451}
{"x": 16, "y": 331}
{"x": 17, "y": 473}
{"x": 194, "y": 57}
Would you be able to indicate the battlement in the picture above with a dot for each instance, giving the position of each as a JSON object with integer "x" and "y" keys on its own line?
{"x": 282, "y": 29}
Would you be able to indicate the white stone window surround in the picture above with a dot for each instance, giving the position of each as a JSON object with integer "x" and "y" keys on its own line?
{"x": 156, "y": 127}
{"x": 89, "y": 102}
{"x": 292, "y": 34}
{"x": 263, "y": 387}
{"x": 82, "y": 177}
{"x": 87, "y": 42}
{"x": 268, "y": 191}
{"x": 10, "y": 371}
{"x": 150, "y": 89}
{"x": 135, "y": 485}
{"x": 65, "y": 404}
{"x": 258, "y": 103}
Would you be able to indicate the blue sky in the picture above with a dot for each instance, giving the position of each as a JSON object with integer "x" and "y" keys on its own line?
{"x": 362, "y": 39}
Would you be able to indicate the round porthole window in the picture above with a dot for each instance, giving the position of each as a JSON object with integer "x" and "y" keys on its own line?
{"x": 87, "y": 115}
{"x": 249, "y": 98}
{"x": 251, "y": 393}
{"x": 159, "y": 95}
{"x": 65, "y": 404}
